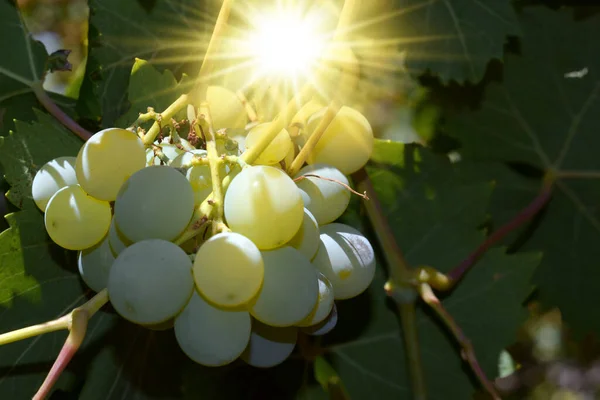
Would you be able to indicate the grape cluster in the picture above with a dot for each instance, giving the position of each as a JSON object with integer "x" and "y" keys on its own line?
{"x": 246, "y": 291}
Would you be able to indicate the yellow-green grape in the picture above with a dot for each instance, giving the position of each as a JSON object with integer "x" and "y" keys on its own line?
{"x": 94, "y": 265}
{"x": 324, "y": 304}
{"x": 198, "y": 175}
{"x": 228, "y": 269}
{"x": 290, "y": 288}
{"x": 107, "y": 160}
{"x": 53, "y": 176}
{"x": 264, "y": 204}
{"x": 326, "y": 199}
{"x": 116, "y": 240}
{"x": 324, "y": 326}
{"x": 209, "y": 335}
{"x": 346, "y": 144}
{"x": 226, "y": 109}
{"x": 269, "y": 346}
{"x": 297, "y": 128}
{"x": 75, "y": 220}
{"x": 287, "y": 161}
{"x": 346, "y": 258}
{"x": 306, "y": 241}
{"x": 276, "y": 150}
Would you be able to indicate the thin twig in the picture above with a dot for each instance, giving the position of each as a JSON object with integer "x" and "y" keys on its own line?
{"x": 467, "y": 352}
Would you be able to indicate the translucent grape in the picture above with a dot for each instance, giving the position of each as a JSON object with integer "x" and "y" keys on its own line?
{"x": 346, "y": 144}
{"x": 198, "y": 175}
{"x": 304, "y": 114}
{"x": 276, "y": 150}
{"x": 117, "y": 242}
{"x": 306, "y": 240}
{"x": 324, "y": 326}
{"x": 209, "y": 335}
{"x": 346, "y": 258}
{"x": 263, "y": 204}
{"x": 107, "y": 160}
{"x": 226, "y": 109}
{"x": 150, "y": 281}
{"x": 326, "y": 200}
{"x": 269, "y": 346}
{"x": 290, "y": 289}
{"x": 148, "y": 192}
{"x": 324, "y": 303}
{"x": 94, "y": 265}
{"x": 228, "y": 269}
{"x": 53, "y": 176}
{"x": 75, "y": 220}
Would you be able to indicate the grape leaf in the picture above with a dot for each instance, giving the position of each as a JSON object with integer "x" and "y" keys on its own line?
{"x": 150, "y": 88}
{"x": 545, "y": 114}
{"x": 21, "y": 67}
{"x": 455, "y": 39}
{"x": 169, "y": 34}
{"x": 24, "y": 152}
{"x": 434, "y": 213}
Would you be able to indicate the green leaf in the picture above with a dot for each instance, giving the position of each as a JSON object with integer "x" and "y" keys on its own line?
{"x": 150, "y": 88}
{"x": 170, "y": 35}
{"x": 455, "y": 39}
{"x": 434, "y": 213}
{"x": 545, "y": 114}
{"x": 21, "y": 67}
{"x": 28, "y": 149}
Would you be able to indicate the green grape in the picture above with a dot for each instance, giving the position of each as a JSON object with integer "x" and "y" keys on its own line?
{"x": 306, "y": 240}
{"x": 198, "y": 175}
{"x": 226, "y": 109}
{"x": 53, "y": 176}
{"x": 117, "y": 242}
{"x": 290, "y": 288}
{"x": 263, "y": 204}
{"x": 324, "y": 326}
{"x": 303, "y": 115}
{"x": 150, "y": 281}
{"x": 107, "y": 160}
{"x": 324, "y": 303}
{"x": 269, "y": 346}
{"x": 346, "y": 258}
{"x": 228, "y": 269}
{"x": 346, "y": 144}
{"x": 325, "y": 199}
{"x": 276, "y": 150}
{"x": 75, "y": 220}
{"x": 94, "y": 265}
{"x": 140, "y": 206}
{"x": 209, "y": 335}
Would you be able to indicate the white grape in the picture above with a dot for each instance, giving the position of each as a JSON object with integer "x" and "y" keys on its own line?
{"x": 346, "y": 258}
{"x": 150, "y": 281}
{"x": 228, "y": 269}
{"x": 94, "y": 265}
{"x": 290, "y": 289}
{"x": 346, "y": 144}
{"x": 75, "y": 220}
{"x": 306, "y": 240}
{"x": 107, "y": 160}
{"x": 139, "y": 205}
{"x": 198, "y": 175}
{"x": 226, "y": 109}
{"x": 276, "y": 150}
{"x": 53, "y": 176}
{"x": 269, "y": 346}
{"x": 324, "y": 303}
{"x": 324, "y": 326}
{"x": 325, "y": 199}
{"x": 209, "y": 335}
{"x": 264, "y": 204}
{"x": 116, "y": 240}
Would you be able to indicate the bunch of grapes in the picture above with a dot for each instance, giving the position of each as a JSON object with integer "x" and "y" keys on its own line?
{"x": 272, "y": 272}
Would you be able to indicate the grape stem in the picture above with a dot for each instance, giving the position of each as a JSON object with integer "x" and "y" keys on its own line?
{"x": 59, "y": 114}
{"x": 76, "y": 322}
{"x": 305, "y": 176}
{"x": 249, "y": 109}
{"x": 467, "y": 352}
